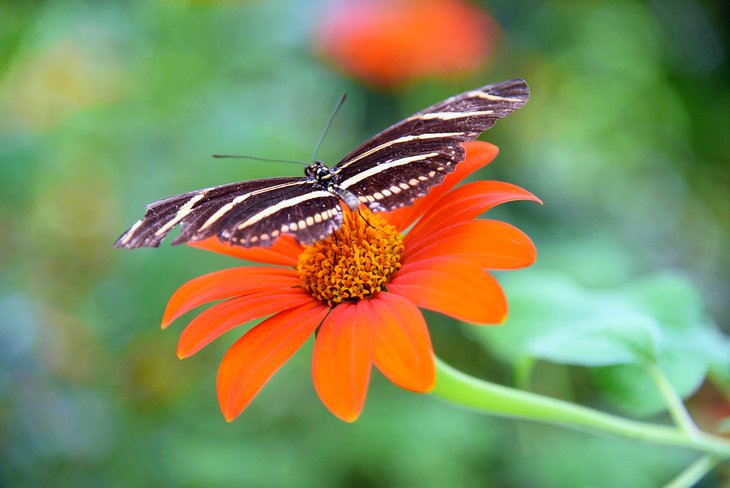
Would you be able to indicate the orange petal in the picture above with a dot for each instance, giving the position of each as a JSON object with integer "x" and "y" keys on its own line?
{"x": 403, "y": 351}
{"x": 284, "y": 251}
{"x": 452, "y": 287}
{"x": 226, "y": 284}
{"x": 223, "y": 317}
{"x": 256, "y": 356}
{"x": 343, "y": 354}
{"x": 468, "y": 202}
{"x": 478, "y": 155}
{"x": 486, "y": 243}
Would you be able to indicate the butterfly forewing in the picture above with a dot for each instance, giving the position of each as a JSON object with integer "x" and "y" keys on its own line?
{"x": 425, "y": 146}
{"x": 386, "y": 172}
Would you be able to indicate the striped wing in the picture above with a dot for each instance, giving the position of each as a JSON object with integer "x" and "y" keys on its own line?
{"x": 404, "y": 161}
{"x": 251, "y": 213}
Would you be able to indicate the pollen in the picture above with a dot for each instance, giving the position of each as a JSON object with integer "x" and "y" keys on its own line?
{"x": 355, "y": 262}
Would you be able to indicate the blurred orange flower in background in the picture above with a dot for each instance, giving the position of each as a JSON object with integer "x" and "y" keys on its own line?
{"x": 390, "y": 42}
{"x": 361, "y": 290}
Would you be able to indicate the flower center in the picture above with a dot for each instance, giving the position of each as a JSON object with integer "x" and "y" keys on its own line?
{"x": 353, "y": 263}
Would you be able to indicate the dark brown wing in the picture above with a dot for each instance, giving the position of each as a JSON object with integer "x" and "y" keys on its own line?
{"x": 407, "y": 159}
{"x": 251, "y": 213}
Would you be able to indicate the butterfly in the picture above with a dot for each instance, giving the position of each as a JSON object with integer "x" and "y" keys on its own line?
{"x": 386, "y": 172}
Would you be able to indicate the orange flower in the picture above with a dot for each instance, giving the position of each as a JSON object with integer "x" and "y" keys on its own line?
{"x": 388, "y": 42}
{"x": 361, "y": 288}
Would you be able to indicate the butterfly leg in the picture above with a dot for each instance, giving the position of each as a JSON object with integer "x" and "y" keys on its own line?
{"x": 366, "y": 220}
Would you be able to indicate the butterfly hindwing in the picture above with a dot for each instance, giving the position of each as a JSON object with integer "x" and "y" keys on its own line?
{"x": 248, "y": 213}
{"x": 398, "y": 182}
{"x": 425, "y": 142}
{"x": 307, "y": 211}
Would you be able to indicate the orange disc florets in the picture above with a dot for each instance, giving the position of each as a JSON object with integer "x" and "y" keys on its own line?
{"x": 355, "y": 262}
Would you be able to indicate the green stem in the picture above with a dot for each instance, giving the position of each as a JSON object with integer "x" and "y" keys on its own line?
{"x": 523, "y": 372}
{"x": 674, "y": 403}
{"x": 457, "y": 387}
{"x": 695, "y": 472}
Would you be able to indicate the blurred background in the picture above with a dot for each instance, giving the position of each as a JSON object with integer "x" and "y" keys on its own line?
{"x": 106, "y": 106}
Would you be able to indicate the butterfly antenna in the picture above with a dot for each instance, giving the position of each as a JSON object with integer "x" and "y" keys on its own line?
{"x": 329, "y": 123}
{"x": 256, "y": 158}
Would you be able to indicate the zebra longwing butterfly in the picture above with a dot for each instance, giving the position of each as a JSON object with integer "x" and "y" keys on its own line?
{"x": 389, "y": 171}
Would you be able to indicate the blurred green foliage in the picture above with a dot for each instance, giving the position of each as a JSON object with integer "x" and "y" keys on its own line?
{"x": 106, "y": 106}
{"x": 617, "y": 332}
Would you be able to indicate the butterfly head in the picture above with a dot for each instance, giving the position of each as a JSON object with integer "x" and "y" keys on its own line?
{"x": 320, "y": 172}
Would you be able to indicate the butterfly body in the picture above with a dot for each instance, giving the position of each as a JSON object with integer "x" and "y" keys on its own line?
{"x": 386, "y": 172}
{"x": 328, "y": 180}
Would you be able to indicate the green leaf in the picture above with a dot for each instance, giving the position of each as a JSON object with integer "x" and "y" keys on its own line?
{"x": 618, "y": 338}
{"x": 674, "y": 301}
{"x": 658, "y": 319}
{"x": 553, "y": 318}
{"x": 630, "y": 388}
